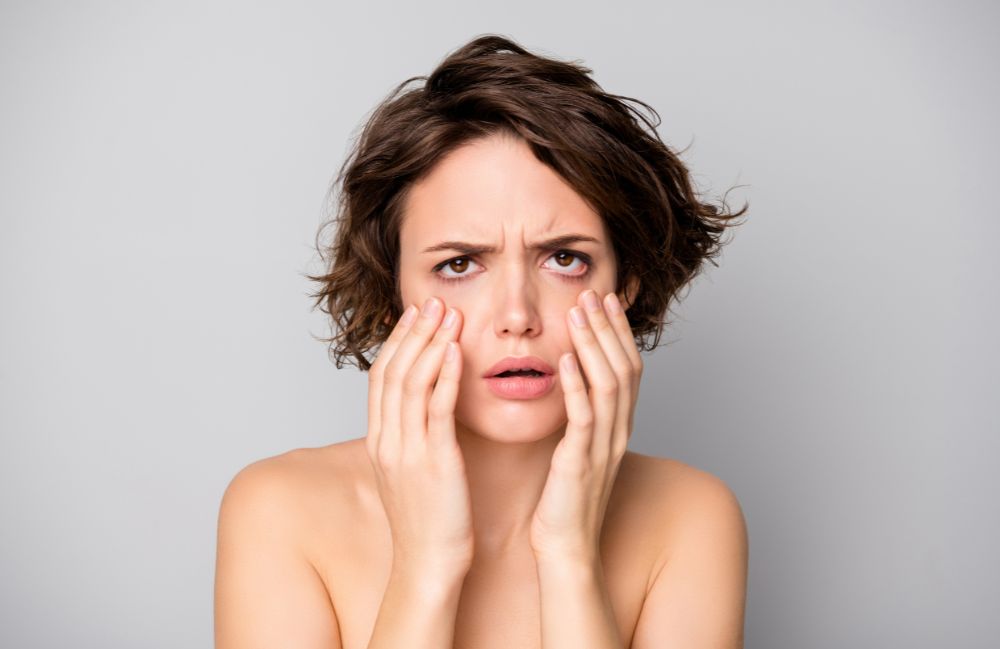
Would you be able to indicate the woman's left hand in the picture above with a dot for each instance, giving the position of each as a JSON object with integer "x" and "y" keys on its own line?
{"x": 570, "y": 513}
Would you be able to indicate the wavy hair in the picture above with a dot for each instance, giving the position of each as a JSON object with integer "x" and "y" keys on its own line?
{"x": 601, "y": 144}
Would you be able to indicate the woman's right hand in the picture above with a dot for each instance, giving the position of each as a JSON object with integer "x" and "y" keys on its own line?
{"x": 419, "y": 467}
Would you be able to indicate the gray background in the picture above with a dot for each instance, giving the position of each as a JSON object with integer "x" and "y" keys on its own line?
{"x": 163, "y": 168}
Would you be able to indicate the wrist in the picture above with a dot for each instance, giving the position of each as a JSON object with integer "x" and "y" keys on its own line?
{"x": 430, "y": 574}
{"x": 569, "y": 563}
{"x": 576, "y": 553}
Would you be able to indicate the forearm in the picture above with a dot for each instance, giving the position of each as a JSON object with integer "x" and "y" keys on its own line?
{"x": 418, "y": 611}
{"x": 576, "y": 608}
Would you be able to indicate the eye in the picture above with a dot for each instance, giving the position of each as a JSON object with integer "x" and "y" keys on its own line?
{"x": 459, "y": 265}
{"x": 576, "y": 266}
{"x": 568, "y": 259}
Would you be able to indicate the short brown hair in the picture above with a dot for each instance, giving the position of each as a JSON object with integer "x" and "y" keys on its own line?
{"x": 605, "y": 148}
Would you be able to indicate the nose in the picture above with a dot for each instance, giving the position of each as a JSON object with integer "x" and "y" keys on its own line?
{"x": 515, "y": 300}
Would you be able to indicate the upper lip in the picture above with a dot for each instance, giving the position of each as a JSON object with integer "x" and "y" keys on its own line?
{"x": 520, "y": 363}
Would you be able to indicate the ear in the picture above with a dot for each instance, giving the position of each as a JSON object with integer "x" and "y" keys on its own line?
{"x": 629, "y": 292}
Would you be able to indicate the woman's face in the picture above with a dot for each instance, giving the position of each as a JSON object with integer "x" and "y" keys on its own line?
{"x": 493, "y": 193}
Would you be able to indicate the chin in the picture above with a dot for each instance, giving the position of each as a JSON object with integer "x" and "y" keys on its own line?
{"x": 513, "y": 421}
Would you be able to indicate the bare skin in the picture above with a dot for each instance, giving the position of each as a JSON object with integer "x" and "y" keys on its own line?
{"x": 312, "y": 542}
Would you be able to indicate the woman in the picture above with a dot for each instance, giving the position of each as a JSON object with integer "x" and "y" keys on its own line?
{"x": 505, "y": 235}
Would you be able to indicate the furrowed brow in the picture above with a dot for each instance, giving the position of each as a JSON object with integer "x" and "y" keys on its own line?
{"x": 554, "y": 243}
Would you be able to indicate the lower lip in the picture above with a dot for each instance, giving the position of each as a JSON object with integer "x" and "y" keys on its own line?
{"x": 521, "y": 387}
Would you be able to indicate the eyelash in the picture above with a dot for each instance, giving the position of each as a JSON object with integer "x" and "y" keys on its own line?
{"x": 569, "y": 278}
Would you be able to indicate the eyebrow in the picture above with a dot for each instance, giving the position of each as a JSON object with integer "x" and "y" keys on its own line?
{"x": 554, "y": 243}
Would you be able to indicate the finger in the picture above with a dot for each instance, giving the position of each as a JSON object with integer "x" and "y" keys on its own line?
{"x": 420, "y": 379}
{"x": 603, "y": 383}
{"x": 414, "y": 341}
{"x": 376, "y": 376}
{"x": 618, "y": 319}
{"x": 609, "y": 337}
{"x": 579, "y": 413}
{"x": 614, "y": 352}
{"x": 441, "y": 406}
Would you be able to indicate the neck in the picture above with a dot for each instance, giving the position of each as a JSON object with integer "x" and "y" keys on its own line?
{"x": 505, "y": 483}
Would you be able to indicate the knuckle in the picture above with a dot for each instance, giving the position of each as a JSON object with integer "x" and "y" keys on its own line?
{"x": 600, "y": 325}
{"x": 386, "y": 456}
{"x": 606, "y": 388}
{"x": 440, "y": 333}
{"x": 393, "y": 373}
{"x": 424, "y": 326}
{"x": 438, "y": 409}
{"x": 412, "y": 462}
{"x": 414, "y": 383}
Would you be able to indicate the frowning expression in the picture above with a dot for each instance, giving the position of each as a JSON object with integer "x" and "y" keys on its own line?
{"x": 503, "y": 238}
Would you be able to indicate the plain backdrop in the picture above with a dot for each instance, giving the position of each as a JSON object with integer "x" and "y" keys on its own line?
{"x": 163, "y": 173}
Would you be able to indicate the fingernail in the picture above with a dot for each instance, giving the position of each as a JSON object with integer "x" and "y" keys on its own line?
{"x": 431, "y": 307}
{"x": 590, "y": 301}
{"x": 614, "y": 306}
{"x": 569, "y": 363}
{"x": 409, "y": 316}
{"x": 451, "y": 351}
{"x": 577, "y": 316}
{"x": 449, "y": 319}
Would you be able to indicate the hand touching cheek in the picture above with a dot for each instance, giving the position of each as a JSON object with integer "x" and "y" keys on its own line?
{"x": 419, "y": 467}
{"x": 570, "y": 513}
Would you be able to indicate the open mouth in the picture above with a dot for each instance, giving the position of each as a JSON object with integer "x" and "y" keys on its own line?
{"x": 519, "y": 373}
{"x": 521, "y": 384}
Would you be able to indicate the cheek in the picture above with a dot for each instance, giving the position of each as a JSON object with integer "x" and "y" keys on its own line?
{"x": 557, "y": 328}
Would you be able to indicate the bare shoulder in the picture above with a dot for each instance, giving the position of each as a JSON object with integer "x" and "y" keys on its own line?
{"x": 306, "y": 462}
{"x": 697, "y": 587}
{"x": 268, "y": 591}
{"x": 683, "y": 506}
{"x": 295, "y": 485}
{"x": 680, "y": 489}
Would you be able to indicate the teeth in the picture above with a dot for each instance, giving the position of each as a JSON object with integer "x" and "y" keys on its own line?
{"x": 528, "y": 372}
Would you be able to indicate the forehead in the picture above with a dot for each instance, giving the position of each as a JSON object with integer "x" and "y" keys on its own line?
{"x": 494, "y": 188}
